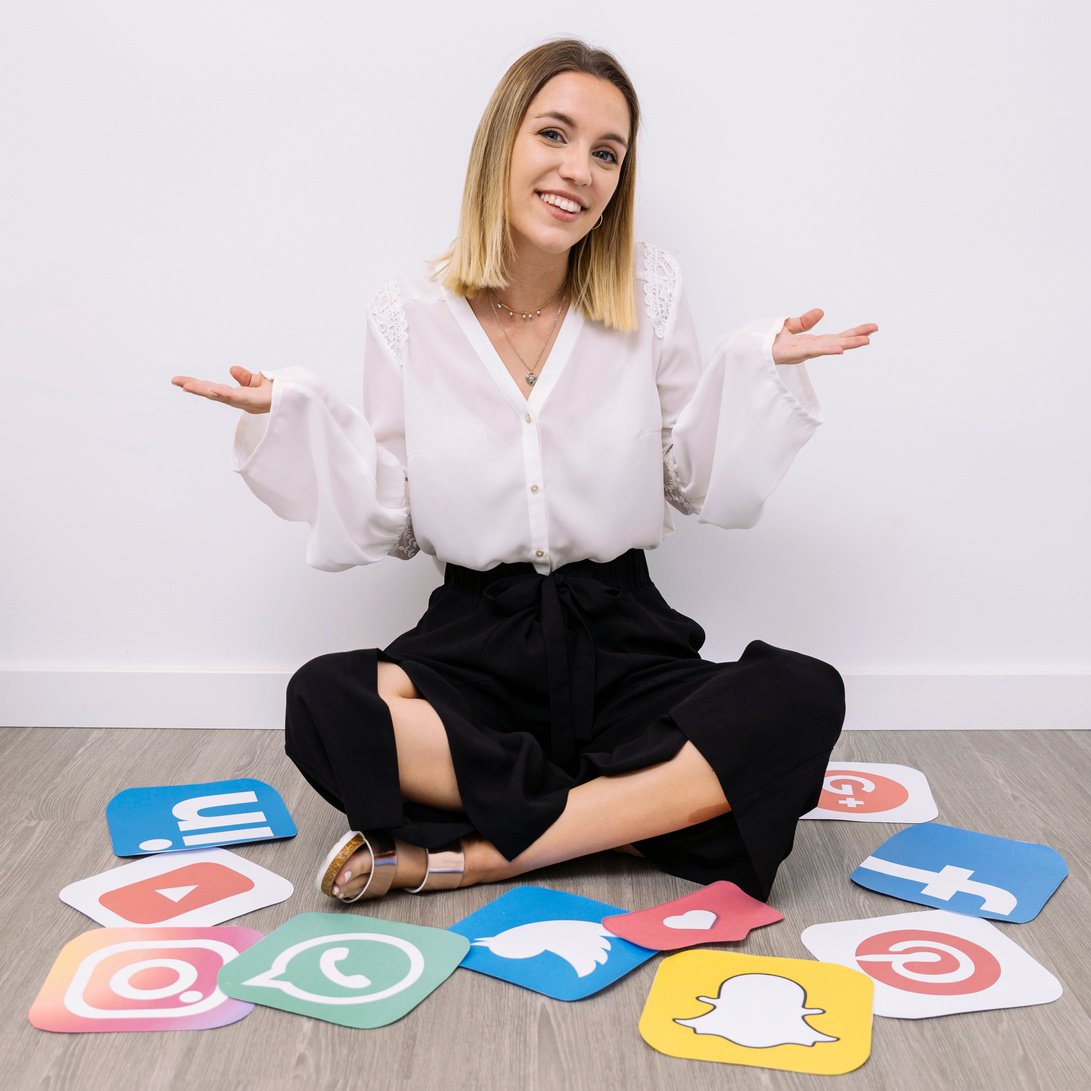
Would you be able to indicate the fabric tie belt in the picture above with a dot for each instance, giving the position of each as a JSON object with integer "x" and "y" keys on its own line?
{"x": 564, "y": 602}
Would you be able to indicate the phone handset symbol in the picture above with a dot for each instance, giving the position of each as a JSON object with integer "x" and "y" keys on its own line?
{"x": 328, "y": 965}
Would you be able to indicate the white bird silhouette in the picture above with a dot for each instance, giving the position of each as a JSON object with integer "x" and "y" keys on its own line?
{"x": 582, "y": 944}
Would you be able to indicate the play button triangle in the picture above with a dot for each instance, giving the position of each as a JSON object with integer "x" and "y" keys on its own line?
{"x": 176, "y": 893}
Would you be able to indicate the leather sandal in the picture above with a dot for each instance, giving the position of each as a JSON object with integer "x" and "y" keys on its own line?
{"x": 445, "y": 869}
{"x": 384, "y": 859}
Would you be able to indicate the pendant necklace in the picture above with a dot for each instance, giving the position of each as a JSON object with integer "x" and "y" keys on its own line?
{"x": 531, "y": 376}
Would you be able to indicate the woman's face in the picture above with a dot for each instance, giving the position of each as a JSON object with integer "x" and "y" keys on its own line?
{"x": 566, "y": 162}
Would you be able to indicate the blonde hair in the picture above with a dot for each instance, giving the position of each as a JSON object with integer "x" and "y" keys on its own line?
{"x": 600, "y": 265}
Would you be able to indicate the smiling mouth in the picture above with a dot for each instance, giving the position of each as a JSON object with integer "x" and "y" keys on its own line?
{"x": 562, "y": 203}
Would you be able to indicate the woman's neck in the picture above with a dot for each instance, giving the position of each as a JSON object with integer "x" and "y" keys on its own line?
{"x": 532, "y": 281}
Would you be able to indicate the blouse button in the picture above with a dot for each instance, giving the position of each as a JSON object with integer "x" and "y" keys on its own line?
{"x": 534, "y": 488}
{"x": 528, "y": 418}
{"x": 539, "y": 553}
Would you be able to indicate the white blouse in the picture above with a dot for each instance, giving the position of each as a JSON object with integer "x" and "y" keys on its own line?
{"x": 448, "y": 457}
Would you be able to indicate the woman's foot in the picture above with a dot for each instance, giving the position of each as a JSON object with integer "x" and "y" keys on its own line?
{"x": 410, "y": 867}
{"x": 367, "y": 866}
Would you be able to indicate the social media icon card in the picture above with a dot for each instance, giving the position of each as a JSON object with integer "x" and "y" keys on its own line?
{"x": 356, "y": 971}
{"x": 115, "y": 979}
{"x": 862, "y": 791}
{"x": 965, "y": 872}
{"x": 191, "y": 816}
{"x": 935, "y": 963}
{"x": 548, "y": 941}
{"x": 717, "y": 913}
{"x": 198, "y": 888}
{"x": 783, "y": 1013}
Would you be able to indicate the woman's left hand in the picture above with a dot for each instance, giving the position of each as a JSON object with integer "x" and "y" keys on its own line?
{"x": 793, "y": 344}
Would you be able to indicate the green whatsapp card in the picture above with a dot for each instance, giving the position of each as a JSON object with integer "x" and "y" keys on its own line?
{"x": 357, "y": 971}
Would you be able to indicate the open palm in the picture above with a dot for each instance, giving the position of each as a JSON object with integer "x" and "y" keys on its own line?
{"x": 254, "y": 394}
{"x": 794, "y": 344}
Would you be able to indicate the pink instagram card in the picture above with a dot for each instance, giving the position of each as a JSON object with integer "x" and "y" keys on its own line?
{"x": 123, "y": 979}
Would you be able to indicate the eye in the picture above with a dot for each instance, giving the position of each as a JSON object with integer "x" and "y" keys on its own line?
{"x": 609, "y": 155}
{"x": 551, "y": 134}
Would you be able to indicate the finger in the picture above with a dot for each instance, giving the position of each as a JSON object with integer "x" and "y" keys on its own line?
{"x": 859, "y": 331}
{"x": 216, "y": 392}
{"x": 805, "y": 321}
{"x": 244, "y": 377}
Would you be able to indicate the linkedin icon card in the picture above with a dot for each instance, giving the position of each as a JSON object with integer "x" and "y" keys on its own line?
{"x": 935, "y": 963}
{"x": 965, "y": 872}
{"x": 117, "y": 979}
{"x": 202, "y": 887}
{"x": 191, "y": 816}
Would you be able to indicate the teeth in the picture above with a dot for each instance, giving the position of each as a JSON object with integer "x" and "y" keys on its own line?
{"x": 561, "y": 202}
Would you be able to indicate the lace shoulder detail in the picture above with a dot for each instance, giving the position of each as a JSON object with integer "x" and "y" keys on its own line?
{"x": 672, "y": 486}
{"x": 660, "y": 282}
{"x": 388, "y": 311}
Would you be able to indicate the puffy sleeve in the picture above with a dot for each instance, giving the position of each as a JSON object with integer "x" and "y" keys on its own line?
{"x": 314, "y": 459}
{"x": 731, "y": 428}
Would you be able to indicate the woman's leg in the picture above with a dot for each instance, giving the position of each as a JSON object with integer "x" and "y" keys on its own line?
{"x": 602, "y": 814}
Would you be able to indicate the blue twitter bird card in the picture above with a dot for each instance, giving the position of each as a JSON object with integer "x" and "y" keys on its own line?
{"x": 548, "y": 941}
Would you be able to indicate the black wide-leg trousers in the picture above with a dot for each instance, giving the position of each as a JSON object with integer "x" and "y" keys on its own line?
{"x": 546, "y": 682}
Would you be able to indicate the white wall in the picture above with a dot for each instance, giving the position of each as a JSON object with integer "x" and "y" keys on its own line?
{"x": 191, "y": 185}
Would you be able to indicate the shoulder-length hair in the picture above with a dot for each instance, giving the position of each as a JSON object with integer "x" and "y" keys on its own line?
{"x": 600, "y": 265}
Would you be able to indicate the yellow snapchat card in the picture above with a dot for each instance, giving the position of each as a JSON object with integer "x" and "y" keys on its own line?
{"x": 769, "y": 1012}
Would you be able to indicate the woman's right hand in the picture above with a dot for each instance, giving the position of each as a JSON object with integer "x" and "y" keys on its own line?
{"x": 254, "y": 394}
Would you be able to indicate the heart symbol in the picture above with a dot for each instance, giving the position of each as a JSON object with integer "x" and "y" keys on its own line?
{"x": 697, "y": 919}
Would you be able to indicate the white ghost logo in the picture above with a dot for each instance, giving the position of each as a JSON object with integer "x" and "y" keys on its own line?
{"x": 759, "y": 1011}
{"x": 582, "y": 944}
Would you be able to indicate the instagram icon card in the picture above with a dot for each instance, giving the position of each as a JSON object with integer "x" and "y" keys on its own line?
{"x": 118, "y": 979}
{"x": 174, "y": 817}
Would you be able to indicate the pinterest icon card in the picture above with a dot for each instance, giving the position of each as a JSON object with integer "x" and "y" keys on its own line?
{"x": 935, "y": 963}
{"x": 118, "y": 979}
{"x": 862, "y": 791}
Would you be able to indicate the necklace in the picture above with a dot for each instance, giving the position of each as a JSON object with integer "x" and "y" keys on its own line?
{"x": 531, "y": 376}
{"x": 526, "y": 316}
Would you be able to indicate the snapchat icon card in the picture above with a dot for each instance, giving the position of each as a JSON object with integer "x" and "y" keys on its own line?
{"x": 766, "y": 1012}
{"x": 356, "y": 971}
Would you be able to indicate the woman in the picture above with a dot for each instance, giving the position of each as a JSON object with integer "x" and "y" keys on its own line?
{"x": 538, "y": 398}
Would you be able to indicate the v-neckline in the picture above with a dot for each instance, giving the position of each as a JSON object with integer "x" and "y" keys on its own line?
{"x": 552, "y": 365}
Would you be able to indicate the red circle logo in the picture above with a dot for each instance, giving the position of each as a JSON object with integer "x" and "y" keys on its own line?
{"x": 851, "y": 791}
{"x": 928, "y": 962}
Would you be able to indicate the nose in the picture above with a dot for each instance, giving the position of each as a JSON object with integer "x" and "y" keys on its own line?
{"x": 576, "y": 165}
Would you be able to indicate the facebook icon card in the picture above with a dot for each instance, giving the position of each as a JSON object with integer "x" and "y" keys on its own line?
{"x": 964, "y": 872}
{"x": 196, "y": 816}
{"x": 549, "y": 941}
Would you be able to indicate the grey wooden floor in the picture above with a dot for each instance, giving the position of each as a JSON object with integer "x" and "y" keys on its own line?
{"x": 477, "y": 1032}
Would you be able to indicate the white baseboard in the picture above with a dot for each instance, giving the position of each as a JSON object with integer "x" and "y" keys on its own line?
{"x": 102, "y": 698}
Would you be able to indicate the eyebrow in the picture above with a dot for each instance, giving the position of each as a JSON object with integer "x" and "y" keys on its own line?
{"x": 564, "y": 119}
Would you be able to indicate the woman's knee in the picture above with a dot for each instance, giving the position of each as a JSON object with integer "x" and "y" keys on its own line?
{"x": 330, "y": 688}
{"x": 812, "y": 689}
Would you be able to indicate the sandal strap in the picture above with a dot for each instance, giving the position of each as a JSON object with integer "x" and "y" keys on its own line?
{"x": 384, "y": 861}
{"x": 445, "y": 869}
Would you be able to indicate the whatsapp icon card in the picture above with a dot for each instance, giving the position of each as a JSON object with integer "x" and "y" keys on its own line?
{"x": 357, "y": 971}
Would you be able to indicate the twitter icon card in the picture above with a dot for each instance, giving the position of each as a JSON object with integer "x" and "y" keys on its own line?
{"x": 548, "y": 941}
